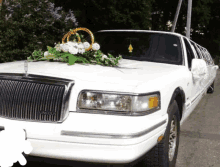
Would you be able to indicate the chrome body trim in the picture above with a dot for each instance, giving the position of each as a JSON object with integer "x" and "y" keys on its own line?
{"x": 48, "y": 80}
{"x": 195, "y": 98}
{"x": 112, "y": 136}
{"x": 182, "y": 49}
{"x": 35, "y": 78}
{"x": 146, "y": 31}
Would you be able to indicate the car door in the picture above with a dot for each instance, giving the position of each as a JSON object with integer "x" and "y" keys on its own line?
{"x": 196, "y": 89}
{"x": 213, "y": 68}
{"x": 209, "y": 65}
{"x": 202, "y": 52}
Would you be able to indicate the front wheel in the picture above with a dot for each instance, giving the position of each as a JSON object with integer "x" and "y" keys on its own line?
{"x": 164, "y": 154}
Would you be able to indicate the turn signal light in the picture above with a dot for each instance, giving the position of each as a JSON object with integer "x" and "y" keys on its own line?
{"x": 160, "y": 138}
{"x": 153, "y": 102}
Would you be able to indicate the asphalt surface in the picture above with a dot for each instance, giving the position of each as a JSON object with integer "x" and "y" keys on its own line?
{"x": 200, "y": 133}
{"x": 199, "y": 138}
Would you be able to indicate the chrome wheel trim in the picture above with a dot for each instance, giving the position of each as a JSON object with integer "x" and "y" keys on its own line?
{"x": 172, "y": 138}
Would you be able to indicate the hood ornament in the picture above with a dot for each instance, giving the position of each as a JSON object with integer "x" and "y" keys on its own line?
{"x": 26, "y": 67}
{"x": 130, "y": 48}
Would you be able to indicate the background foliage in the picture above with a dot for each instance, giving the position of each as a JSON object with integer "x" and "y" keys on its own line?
{"x": 110, "y": 14}
{"x": 103, "y": 14}
{"x": 28, "y": 25}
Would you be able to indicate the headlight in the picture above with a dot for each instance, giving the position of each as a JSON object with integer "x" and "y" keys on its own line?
{"x": 118, "y": 103}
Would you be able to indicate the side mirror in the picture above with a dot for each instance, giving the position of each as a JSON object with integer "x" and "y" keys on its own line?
{"x": 216, "y": 67}
{"x": 199, "y": 69}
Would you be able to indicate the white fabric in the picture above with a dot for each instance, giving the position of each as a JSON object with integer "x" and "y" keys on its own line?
{"x": 12, "y": 144}
{"x": 199, "y": 69}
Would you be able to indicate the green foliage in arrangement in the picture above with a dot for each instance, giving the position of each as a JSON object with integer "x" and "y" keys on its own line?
{"x": 73, "y": 52}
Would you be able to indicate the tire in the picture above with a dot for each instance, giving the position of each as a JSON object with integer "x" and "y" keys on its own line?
{"x": 211, "y": 88}
{"x": 159, "y": 155}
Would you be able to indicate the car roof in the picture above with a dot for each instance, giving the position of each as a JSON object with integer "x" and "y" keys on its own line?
{"x": 129, "y": 30}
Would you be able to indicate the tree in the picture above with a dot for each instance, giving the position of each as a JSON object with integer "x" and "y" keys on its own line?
{"x": 205, "y": 15}
{"x": 28, "y": 25}
{"x": 110, "y": 14}
{"x": 212, "y": 30}
{"x": 162, "y": 12}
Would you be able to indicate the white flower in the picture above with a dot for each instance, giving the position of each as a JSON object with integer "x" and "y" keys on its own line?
{"x": 58, "y": 48}
{"x": 64, "y": 47}
{"x": 112, "y": 60}
{"x": 94, "y": 55}
{"x": 73, "y": 50}
{"x": 81, "y": 48}
{"x": 81, "y": 51}
{"x": 46, "y": 53}
{"x": 104, "y": 57}
{"x": 95, "y": 46}
{"x": 72, "y": 44}
{"x": 86, "y": 45}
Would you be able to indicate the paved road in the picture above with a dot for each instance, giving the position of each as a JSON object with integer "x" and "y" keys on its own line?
{"x": 199, "y": 139}
{"x": 200, "y": 134}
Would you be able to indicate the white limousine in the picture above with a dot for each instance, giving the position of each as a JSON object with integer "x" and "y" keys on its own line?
{"x": 105, "y": 114}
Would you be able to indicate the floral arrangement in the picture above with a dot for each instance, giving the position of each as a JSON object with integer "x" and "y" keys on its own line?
{"x": 76, "y": 52}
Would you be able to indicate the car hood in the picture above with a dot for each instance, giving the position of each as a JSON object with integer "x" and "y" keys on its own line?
{"x": 129, "y": 72}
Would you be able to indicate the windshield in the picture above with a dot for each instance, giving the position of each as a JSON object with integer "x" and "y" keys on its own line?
{"x": 144, "y": 46}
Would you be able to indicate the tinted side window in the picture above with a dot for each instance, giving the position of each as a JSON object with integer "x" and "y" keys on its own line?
{"x": 212, "y": 62}
{"x": 189, "y": 52}
{"x": 204, "y": 55}
{"x": 193, "y": 49}
{"x": 196, "y": 49}
{"x": 203, "y": 51}
{"x": 209, "y": 57}
{"x": 200, "y": 52}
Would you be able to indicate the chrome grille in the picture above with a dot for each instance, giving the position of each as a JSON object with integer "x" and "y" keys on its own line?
{"x": 34, "y": 98}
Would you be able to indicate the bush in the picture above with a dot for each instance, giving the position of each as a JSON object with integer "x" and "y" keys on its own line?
{"x": 28, "y": 25}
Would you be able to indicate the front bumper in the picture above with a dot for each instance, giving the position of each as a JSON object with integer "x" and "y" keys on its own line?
{"x": 101, "y": 153}
{"x": 91, "y": 152}
{"x": 98, "y": 138}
